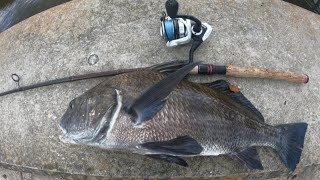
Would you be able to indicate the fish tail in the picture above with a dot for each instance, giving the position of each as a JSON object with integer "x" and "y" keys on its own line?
{"x": 290, "y": 144}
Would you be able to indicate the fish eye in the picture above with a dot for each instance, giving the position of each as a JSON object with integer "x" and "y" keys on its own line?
{"x": 71, "y": 104}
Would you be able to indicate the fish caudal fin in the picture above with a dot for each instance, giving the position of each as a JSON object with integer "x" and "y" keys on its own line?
{"x": 291, "y": 143}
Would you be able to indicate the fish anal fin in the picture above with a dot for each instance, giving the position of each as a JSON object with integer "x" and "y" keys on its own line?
{"x": 169, "y": 159}
{"x": 249, "y": 157}
{"x": 152, "y": 100}
{"x": 224, "y": 87}
{"x": 182, "y": 145}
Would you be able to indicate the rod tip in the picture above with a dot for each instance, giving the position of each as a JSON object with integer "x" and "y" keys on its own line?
{"x": 306, "y": 79}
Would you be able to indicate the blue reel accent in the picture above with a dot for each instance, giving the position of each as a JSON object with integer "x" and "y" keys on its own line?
{"x": 169, "y": 29}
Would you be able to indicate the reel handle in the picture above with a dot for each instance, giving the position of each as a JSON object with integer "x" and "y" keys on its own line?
{"x": 172, "y": 7}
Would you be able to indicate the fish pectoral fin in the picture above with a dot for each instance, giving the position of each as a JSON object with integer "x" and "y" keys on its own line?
{"x": 153, "y": 99}
{"x": 249, "y": 157}
{"x": 224, "y": 86}
{"x": 182, "y": 145}
{"x": 168, "y": 67}
{"x": 169, "y": 159}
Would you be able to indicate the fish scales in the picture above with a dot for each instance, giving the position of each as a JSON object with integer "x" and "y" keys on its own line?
{"x": 191, "y": 109}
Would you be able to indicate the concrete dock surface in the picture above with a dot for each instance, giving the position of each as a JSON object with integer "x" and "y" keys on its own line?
{"x": 125, "y": 34}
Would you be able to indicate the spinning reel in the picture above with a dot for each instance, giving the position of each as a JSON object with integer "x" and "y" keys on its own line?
{"x": 181, "y": 29}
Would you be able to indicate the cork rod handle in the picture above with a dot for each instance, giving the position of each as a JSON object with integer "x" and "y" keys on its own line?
{"x": 237, "y": 71}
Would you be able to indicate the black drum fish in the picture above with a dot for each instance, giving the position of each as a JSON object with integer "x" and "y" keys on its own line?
{"x": 166, "y": 117}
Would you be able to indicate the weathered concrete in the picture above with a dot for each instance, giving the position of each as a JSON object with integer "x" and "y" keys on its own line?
{"x": 6, "y": 174}
{"x": 58, "y": 43}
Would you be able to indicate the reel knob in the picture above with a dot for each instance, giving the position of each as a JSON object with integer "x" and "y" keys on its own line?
{"x": 172, "y": 7}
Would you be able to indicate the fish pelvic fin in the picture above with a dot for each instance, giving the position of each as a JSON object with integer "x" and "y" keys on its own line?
{"x": 291, "y": 143}
{"x": 149, "y": 103}
{"x": 248, "y": 157}
{"x": 182, "y": 145}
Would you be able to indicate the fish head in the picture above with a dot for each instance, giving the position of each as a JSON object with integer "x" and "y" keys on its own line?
{"x": 88, "y": 116}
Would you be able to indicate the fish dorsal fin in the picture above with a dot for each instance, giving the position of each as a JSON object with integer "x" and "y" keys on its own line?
{"x": 182, "y": 145}
{"x": 223, "y": 86}
{"x": 169, "y": 159}
{"x": 153, "y": 99}
{"x": 168, "y": 67}
{"x": 249, "y": 157}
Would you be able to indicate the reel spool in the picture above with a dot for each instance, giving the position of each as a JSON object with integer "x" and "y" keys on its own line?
{"x": 181, "y": 29}
{"x": 176, "y": 31}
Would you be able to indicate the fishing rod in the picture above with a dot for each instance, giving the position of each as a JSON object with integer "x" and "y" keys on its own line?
{"x": 183, "y": 29}
{"x": 237, "y": 71}
{"x": 202, "y": 69}
{"x": 16, "y": 78}
{"x": 178, "y": 30}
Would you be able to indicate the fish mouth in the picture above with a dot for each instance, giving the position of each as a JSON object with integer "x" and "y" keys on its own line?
{"x": 65, "y": 139}
{"x": 64, "y": 131}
